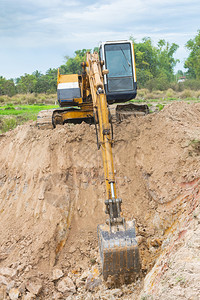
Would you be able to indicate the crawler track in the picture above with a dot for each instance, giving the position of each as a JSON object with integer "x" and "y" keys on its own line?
{"x": 44, "y": 119}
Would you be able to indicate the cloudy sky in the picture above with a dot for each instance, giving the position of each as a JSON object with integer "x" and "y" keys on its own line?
{"x": 37, "y": 34}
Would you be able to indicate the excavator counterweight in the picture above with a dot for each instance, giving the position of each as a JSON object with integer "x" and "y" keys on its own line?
{"x": 108, "y": 77}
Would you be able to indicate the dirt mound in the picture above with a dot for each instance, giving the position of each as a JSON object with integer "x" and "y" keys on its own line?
{"x": 52, "y": 198}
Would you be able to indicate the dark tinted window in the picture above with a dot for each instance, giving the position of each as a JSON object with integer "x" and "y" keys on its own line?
{"x": 118, "y": 60}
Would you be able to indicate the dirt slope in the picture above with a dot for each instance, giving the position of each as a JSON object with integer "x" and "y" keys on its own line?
{"x": 52, "y": 196}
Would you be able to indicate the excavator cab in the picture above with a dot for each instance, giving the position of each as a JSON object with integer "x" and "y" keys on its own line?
{"x": 120, "y": 83}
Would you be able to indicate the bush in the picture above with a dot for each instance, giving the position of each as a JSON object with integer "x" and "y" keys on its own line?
{"x": 8, "y": 123}
{"x": 177, "y": 86}
{"x": 192, "y": 84}
{"x": 160, "y": 83}
{"x": 197, "y": 94}
{"x": 150, "y": 96}
{"x": 169, "y": 93}
{"x": 2, "y": 99}
{"x": 186, "y": 94}
{"x": 141, "y": 93}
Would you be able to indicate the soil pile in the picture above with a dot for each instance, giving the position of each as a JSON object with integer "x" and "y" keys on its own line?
{"x": 52, "y": 196}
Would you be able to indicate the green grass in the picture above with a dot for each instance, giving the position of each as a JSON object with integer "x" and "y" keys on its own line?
{"x": 160, "y": 106}
{"x": 26, "y": 110}
{"x": 13, "y": 115}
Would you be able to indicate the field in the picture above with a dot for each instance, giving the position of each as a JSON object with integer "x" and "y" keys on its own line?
{"x": 21, "y": 108}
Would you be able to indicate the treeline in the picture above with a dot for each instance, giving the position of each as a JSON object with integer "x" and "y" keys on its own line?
{"x": 34, "y": 83}
{"x": 154, "y": 67}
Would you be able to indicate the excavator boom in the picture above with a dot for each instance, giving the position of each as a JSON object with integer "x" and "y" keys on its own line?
{"x": 117, "y": 239}
{"x": 108, "y": 77}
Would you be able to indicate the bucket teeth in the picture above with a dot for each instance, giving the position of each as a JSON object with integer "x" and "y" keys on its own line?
{"x": 118, "y": 250}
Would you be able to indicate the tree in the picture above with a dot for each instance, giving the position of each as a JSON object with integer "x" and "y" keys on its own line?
{"x": 154, "y": 64}
{"x": 73, "y": 65}
{"x": 38, "y": 82}
{"x": 26, "y": 83}
{"x": 145, "y": 57}
{"x": 154, "y": 68}
{"x": 7, "y": 87}
{"x": 179, "y": 73}
{"x": 192, "y": 63}
{"x": 165, "y": 60}
{"x": 51, "y": 79}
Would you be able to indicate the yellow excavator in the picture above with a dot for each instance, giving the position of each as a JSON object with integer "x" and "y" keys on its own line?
{"x": 108, "y": 77}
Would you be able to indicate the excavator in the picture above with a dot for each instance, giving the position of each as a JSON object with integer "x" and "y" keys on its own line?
{"x": 108, "y": 78}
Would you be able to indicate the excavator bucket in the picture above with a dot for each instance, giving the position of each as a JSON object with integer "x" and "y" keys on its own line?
{"x": 119, "y": 251}
{"x": 137, "y": 109}
{"x": 120, "y": 112}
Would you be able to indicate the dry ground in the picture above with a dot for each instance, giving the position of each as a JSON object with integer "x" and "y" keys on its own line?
{"x": 52, "y": 196}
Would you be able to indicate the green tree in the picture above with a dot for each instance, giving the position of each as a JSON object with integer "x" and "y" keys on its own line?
{"x": 145, "y": 57}
{"x": 192, "y": 63}
{"x": 179, "y": 73}
{"x": 7, "y": 87}
{"x": 154, "y": 64}
{"x": 165, "y": 59}
{"x": 26, "y": 83}
{"x": 73, "y": 65}
{"x": 50, "y": 78}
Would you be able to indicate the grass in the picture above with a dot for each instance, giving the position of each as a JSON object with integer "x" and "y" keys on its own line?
{"x": 24, "y": 110}
{"x": 196, "y": 147}
{"x": 20, "y": 108}
{"x": 11, "y": 115}
{"x": 156, "y": 100}
{"x": 180, "y": 279}
{"x": 20, "y": 99}
{"x": 169, "y": 94}
{"x": 160, "y": 106}
{"x": 7, "y": 124}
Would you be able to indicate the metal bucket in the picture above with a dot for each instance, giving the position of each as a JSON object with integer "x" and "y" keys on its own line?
{"x": 118, "y": 249}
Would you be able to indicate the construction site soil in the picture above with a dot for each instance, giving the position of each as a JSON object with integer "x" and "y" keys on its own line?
{"x": 52, "y": 195}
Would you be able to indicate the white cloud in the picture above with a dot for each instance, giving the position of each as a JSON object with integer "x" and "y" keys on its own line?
{"x": 69, "y": 25}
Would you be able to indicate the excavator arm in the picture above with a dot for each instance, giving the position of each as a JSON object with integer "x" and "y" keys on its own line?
{"x": 108, "y": 77}
{"x": 117, "y": 239}
{"x": 101, "y": 115}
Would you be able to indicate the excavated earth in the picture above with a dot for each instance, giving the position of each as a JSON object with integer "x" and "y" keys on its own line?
{"x": 52, "y": 196}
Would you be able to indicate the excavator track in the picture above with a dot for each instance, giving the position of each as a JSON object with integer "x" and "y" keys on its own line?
{"x": 44, "y": 119}
{"x": 48, "y": 119}
{"x": 119, "y": 112}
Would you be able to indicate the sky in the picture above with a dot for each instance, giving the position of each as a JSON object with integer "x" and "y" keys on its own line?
{"x": 38, "y": 34}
